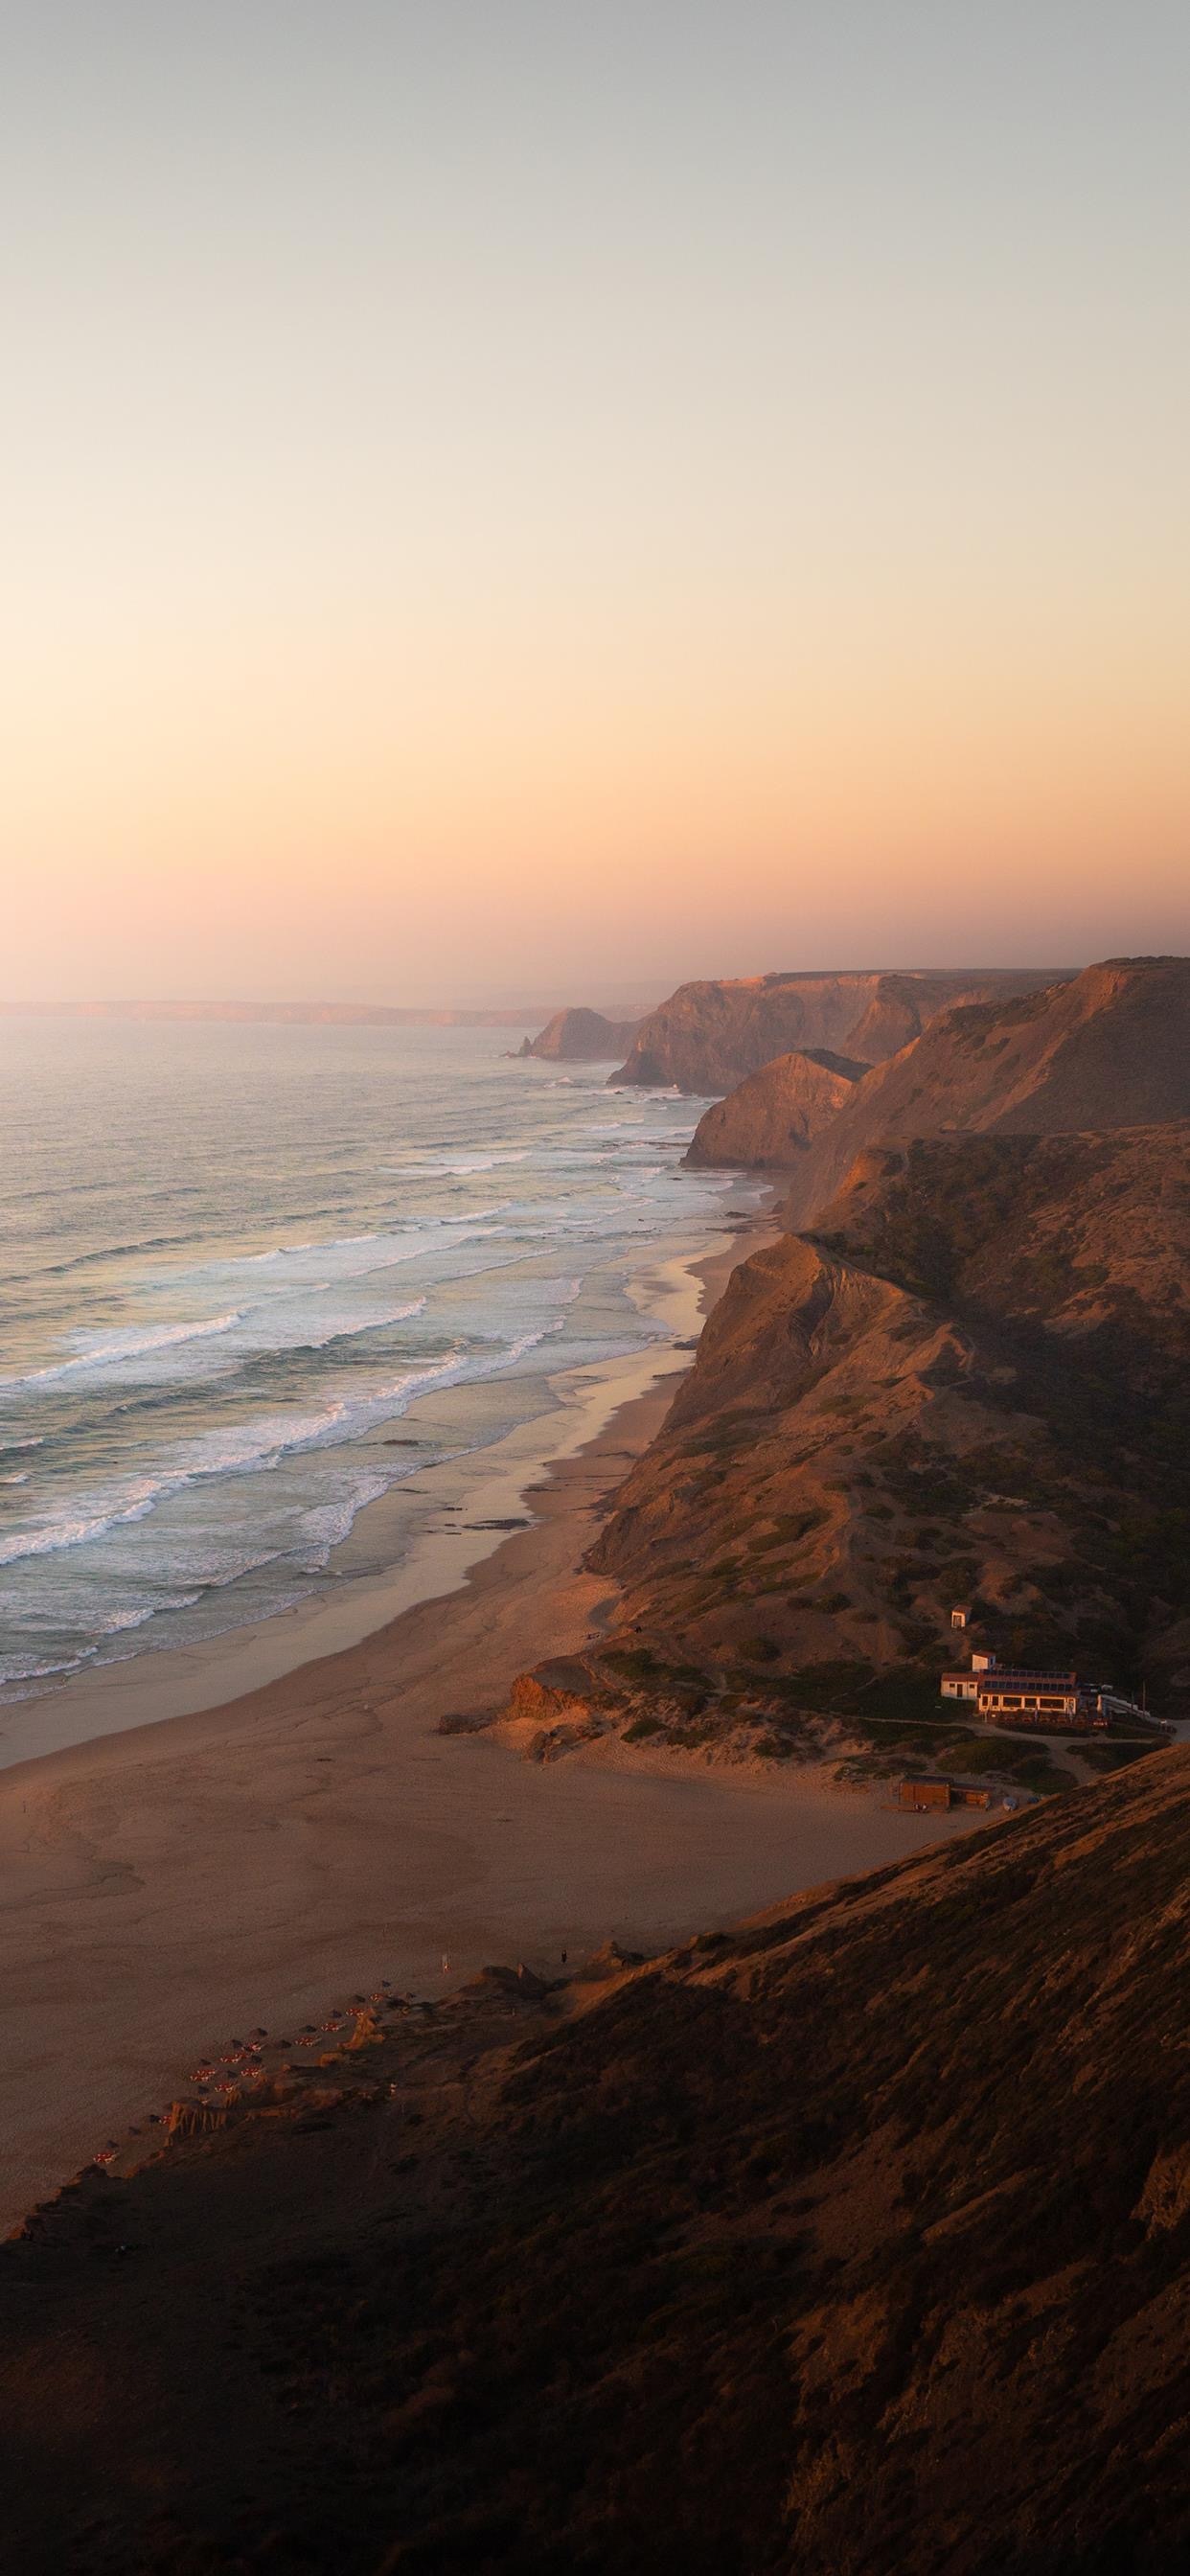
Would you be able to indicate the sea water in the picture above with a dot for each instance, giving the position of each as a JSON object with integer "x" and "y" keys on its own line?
{"x": 234, "y": 1256}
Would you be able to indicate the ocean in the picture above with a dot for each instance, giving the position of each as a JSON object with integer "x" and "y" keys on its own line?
{"x": 234, "y": 1256}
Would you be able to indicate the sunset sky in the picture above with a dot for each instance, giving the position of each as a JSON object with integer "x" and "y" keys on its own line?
{"x": 530, "y": 497}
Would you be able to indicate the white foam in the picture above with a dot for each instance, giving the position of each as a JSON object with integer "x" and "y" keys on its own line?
{"x": 272, "y": 1437}
{"x": 111, "y": 1353}
{"x": 279, "y": 1252}
{"x": 355, "y": 1256}
{"x": 166, "y": 1353}
{"x": 49, "y": 1537}
{"x": 460, "y": 1166}
{"x": 22, "y": 1668}
{"x": 328, "y": 1524}
{"x": 116, "y": 1623}
{"x": 260, "y": 1446}
{"x": 142, "y": 1522}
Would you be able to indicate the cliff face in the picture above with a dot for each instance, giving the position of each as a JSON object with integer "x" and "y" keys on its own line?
{"x": 1109, "y": 1049}
{"x": 708, "y": 1036}
{"x": 581, "y": 1037}
{"x": 768, "y": 1121}
{"x": 854, "y": 2239}
{"x": 969, "y": 1386}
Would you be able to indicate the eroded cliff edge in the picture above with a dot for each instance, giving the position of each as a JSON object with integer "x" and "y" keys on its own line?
{"x": 768, "y": 1122}
{"x": 708, "y": 1036}
{"x": 1109, "y": 1048}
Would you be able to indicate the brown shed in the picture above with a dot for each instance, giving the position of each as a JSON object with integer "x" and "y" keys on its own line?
{"x": 920, "y": 1794}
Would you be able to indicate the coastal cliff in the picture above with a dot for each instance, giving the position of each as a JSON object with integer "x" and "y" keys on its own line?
{"x": 709, "y": 1036}
{"x": 852, "y": 2237}
{"x": 969, "y": 1385}
{"x": 767, "y": 1122}
{"x": 1108, "y": 1049}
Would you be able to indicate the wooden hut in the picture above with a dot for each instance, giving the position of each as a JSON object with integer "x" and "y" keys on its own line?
{"x": 923, "y": 1794}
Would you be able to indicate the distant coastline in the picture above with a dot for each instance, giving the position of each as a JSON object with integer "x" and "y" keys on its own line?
{"x": 287, "y": 1014}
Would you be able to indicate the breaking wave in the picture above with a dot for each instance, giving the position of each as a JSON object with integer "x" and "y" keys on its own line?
{"x": 210, "y": 1319}
{"x": 122, "y": 1346}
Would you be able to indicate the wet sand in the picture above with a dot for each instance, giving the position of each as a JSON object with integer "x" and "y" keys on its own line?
{"x": 167, "y": 1886}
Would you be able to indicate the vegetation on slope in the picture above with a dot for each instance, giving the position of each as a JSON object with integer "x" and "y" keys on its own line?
{"x": 969, "y": 1387}
{"x": 857, "y": 2239}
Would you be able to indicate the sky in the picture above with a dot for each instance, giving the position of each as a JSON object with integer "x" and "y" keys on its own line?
{"x": 515, "y": 497}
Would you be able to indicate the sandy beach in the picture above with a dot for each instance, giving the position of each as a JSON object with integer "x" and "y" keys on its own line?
{"x": 164, "y": 1886}
{"x": 425, "y": 1535}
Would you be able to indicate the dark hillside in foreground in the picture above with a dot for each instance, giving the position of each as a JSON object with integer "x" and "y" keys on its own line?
{"x": 855, "y": 2241}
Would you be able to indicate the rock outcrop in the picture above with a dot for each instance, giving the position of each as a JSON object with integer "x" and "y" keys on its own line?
{"x": 768, "y": 1121}
{"x": 1108, "y": 1049}
{"x": 709, "y": 1036}
{"x": 580, "y": 1036}
{"x": 551, "y": 1711}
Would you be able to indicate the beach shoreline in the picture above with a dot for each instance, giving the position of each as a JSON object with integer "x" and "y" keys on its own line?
{"x": 165, "y": 1886}
{"x": 401, "y": 1549}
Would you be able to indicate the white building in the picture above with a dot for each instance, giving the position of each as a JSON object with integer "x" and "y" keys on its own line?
{"x": 1004, "y": 1696}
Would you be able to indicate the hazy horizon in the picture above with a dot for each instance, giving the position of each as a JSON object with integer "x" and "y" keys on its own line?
{"x": 578, "y": 990}
{"x": 576, "y": 986}
{"x": 542, "y": 502}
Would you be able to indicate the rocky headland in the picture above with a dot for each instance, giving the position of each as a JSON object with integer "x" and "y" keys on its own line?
{"x": 579, "y": 1036}
{"x": 767, "y": 1122}
{"x": 709, "y": 1036}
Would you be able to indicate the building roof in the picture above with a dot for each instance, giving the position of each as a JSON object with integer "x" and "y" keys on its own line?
{"x": 998, "y": 1673}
